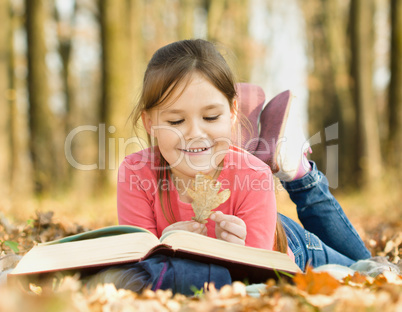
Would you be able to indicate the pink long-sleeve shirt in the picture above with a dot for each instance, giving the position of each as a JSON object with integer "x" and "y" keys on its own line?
{"x": 249, "y": 179}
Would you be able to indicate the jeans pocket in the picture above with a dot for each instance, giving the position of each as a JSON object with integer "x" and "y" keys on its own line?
{"x": 312, "y": 241}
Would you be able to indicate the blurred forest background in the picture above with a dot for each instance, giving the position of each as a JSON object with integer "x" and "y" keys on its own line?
{"x": 70, "y": 72}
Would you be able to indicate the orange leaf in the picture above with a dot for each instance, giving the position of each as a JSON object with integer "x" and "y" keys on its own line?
{"x": 316, "y": 282}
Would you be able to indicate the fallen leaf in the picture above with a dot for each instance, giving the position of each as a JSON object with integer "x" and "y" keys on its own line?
{"x": 44, "y": 218}
{"x": 358, "y": 279}
{"x": 35, "y": 289}
{"x": 316, "y": 282}
{"x": 392, "y": 278}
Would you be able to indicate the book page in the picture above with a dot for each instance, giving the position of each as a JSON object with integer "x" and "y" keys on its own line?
{"x": 101, "y": 232}
{"x": 84, "y": 253}
{"x": 164, "y": 236}
{"x": 213, "y": 247}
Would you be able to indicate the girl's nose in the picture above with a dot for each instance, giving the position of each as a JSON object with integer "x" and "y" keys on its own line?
{"x": 194, "y": 131}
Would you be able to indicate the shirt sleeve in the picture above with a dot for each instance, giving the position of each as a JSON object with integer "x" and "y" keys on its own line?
{"x": 135, "y": 200}
{"x": 257, "y": 208}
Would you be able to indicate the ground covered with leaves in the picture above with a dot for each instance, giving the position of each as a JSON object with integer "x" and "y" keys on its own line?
{"x": 306, "y": 292}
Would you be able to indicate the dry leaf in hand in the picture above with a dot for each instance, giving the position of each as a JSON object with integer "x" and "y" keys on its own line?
{"x": 206, "y": 197}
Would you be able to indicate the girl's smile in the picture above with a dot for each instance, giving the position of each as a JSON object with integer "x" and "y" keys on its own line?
{"x": 193, "y": 130}
{"x": 196, "y": 150}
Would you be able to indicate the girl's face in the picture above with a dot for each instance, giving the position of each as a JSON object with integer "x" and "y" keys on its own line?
{"x": 193, "y": 129}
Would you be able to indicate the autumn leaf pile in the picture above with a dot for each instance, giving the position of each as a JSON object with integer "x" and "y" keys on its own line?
{"x": 311, "y": 292}
{"x": 306, "y": 292}
{"x": 42, "y": 228}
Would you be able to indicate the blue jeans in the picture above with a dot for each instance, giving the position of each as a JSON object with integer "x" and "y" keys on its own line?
{"x": 328, "y": 237}
{"x": 162, "y": 272}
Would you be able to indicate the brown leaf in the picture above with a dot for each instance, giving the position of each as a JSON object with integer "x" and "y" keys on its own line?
{"x": 358, "y": 279}
{"x": 44, "y": 218}
{"x": 206, "y": 197}
{"x": 316, "y": 282}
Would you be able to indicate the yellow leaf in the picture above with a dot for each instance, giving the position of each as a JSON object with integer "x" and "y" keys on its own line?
{"x": 35, "y": 289}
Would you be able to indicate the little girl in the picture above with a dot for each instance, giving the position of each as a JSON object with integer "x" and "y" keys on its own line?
{"x": 188, "y": 107}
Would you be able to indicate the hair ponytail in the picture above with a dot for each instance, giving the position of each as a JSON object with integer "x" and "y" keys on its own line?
{"x": 281, "y": 241}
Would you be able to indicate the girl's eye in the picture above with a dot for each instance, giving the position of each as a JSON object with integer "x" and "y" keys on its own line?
{"x": 175, "y": 122}
{"x": 212, "y": 118}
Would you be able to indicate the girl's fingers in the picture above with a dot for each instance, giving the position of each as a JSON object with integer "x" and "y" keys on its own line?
{"x": 196, "y": 227}
{"x": 231, "y": 224}
{"x": 190, "y": 226}
{"x": 220, "y": 216}
{"x": 232, "y": 238}
{"x": 236, "y": 229}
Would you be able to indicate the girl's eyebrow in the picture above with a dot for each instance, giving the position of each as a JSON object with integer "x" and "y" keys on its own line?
{"x": 171, "y": 111}
{"x": 212, "y": 106}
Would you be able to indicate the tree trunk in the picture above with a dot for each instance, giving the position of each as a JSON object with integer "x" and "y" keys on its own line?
{"x": 40, "y": 115}
{"x": 215, "y": 10}
{"x": 241, "y": 42}
{"x": 6, "y": 95}
{"x": 324, "y": 81}
{"x": 65, "y": 33}
{"x": 335, "y": 21}
{"x": 22, "y": 184}
{"x": 394, "y": 149}
{"x": 138, "y": 61}
{"x": 362, "y": 72}
{"x": 186, "y": 19}
{"x": 116, "y": 85}
{"x": 228, "y": 24}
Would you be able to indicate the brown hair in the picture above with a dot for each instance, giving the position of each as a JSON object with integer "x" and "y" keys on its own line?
{"x": 172, "y": 65}
{"x": 281, "y": 241}
{"x": 175, "y": 62}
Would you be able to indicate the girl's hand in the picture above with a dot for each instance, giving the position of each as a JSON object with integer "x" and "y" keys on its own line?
{"x": 190, "y": 226}
{"x": 229, "y": 228}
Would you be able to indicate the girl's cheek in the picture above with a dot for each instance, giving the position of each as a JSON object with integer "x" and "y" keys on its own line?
{"x": 170, "y": 133}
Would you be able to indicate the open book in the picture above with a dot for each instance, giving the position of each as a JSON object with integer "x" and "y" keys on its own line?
{"x": 128, "y": 244}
